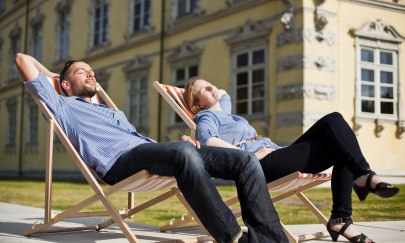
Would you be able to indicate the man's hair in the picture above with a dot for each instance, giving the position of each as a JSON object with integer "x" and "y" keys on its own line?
{"x": 64, "y": 71}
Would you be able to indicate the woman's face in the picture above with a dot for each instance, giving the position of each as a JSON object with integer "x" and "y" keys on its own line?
{"x": 206, "y": 92}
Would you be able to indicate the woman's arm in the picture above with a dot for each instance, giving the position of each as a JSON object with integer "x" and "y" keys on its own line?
{"x": 263, "y": 152}
{"x": 29, "y": 67}
{"x": 217, "y": 142}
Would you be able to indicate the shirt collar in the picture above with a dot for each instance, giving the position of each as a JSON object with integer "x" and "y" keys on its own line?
{"x": 83, "y": 100}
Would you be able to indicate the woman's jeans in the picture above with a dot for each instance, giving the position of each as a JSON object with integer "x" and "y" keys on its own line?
{"x": 329, "y": 142}
{"x": 193, "y": 169}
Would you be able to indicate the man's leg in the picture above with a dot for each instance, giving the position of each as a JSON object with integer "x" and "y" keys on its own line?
{"x": 181, "y": 160}
{"x": 258, "y": 211}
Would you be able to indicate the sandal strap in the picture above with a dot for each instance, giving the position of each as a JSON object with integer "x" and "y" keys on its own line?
{"x": 362, "y": 238}
{"x": 383, "y": 186}
{"x": 347, "y": 221}
{"x": 369, "y": 177}
{"x": 344, "y": 227}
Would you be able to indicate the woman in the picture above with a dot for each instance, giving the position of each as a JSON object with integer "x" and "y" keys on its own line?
{"x": 329, "y": 142}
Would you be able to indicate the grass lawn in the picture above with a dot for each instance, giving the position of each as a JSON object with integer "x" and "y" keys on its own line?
{"x": 291, "y": 211}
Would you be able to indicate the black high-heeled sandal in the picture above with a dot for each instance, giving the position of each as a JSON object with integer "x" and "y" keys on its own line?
{"x": 362, "y": 238}
{"x": 382, "y": 189}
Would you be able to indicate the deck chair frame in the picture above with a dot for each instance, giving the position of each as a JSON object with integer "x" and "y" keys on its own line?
{"x": 141, "y": 181}
{"x": 294, "y": 184}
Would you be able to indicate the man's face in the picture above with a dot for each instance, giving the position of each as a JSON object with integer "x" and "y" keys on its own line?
{"x": 80, "y": 81}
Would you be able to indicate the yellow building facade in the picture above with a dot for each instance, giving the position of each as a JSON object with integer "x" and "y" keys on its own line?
{"x": 285, "y": 64}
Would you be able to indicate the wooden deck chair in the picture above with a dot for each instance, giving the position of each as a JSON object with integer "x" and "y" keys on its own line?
{"x": 293, "y": 184}
{"x": 142, "y": 181}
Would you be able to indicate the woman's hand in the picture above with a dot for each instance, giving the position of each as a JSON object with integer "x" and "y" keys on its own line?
{"x": 219, "y": 93}
{"x": 190, "y": 140}
{"x": 262, "y": 152}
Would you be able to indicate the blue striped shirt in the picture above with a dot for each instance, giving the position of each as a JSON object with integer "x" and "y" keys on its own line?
{"x": 230, "y": 128}
{"x": 99, "y": 134}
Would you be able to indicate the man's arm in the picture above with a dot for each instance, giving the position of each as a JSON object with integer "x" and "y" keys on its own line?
{"x": 29, "y": 67}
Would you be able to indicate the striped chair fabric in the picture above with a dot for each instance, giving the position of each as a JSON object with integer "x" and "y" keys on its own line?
{"x": 301, "y": 179}
{"x": 178, "y": 95}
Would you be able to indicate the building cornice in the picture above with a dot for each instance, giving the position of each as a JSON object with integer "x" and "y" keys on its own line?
{"x": 381, "y": 4}
{"x": 211, "y": 17}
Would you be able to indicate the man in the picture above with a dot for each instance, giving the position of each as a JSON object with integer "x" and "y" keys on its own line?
{"x": 110, "y": 145}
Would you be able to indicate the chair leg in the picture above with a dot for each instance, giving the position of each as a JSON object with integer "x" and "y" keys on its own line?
{"x": 313, "y": 208}
{"x": 290, "y": 236}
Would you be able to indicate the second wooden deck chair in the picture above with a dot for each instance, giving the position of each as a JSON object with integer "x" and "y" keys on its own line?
{"x": 293, "y": 184}
{"x": 142, "y": 181}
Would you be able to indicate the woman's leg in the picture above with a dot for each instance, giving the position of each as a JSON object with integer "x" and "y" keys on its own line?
{"x": 334, "y": 131}
{"x": 329, "y": 142}
{"x": 310, "y": 156}
{"x": 313, "y": 156}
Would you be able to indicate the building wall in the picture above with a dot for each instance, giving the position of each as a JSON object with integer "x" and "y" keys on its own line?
{"x": 310, "y": 64}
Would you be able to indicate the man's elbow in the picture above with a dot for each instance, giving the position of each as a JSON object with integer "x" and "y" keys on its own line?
{"x": 25, "y": 66}
{"x": 20, "y": 58}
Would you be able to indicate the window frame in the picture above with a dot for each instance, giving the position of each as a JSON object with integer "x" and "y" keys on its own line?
{"x": 32, "y": 134}
{"x": 377, "y": 46}
{"x": 2, "y": 5}
{"x": 11, "y": 138}
{"x": 63, "y": 27}
{"x": 174, "y": 118}
{"x": 15, "y": 42}
{"x": 249, "y": 68}
{"x": 102, "y": 33}
{"x": 189, "y": 9}
{"x": 37, "y": 41}
{"x": 143, "y": 12}
{"x": 141, "y": 121}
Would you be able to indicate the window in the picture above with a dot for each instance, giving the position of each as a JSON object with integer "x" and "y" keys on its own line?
{"x": 102, "y": 77}
{"x": 1, "y": 56}
{"x": 37, "y": 41}
{"x": 136, "y": 72}
{"x": 184, "y": 62}
{"x": 141, "y": 15}
{"x": 62, "y": 27}
{"x": 185, "y": 10}
{"x": 181, "y": 76}
{"x": 63, "y": 35}
{"x": 250, "y": 78}
{"x": 15, "y": 38}
{"x": 100, "y": 23}
{"x": 377, "y": 82}
{"x": 185, "y": 7}
{"x": 138, "y": 103}
{"x": 249, "y": 68}
{"x": 2, "y": 5}
{"x": 12, "y": 122}
{"x": 377, "y": 48}
{"x": 32, "y": 135}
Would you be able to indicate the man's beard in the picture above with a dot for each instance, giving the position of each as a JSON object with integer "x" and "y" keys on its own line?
{"x": 87, "y": 92}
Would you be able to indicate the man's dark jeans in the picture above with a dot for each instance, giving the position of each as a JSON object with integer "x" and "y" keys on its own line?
{"x": 193, "y": 169}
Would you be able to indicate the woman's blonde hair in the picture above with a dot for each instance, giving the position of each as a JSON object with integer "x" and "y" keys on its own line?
{"x": 191, "y": 99}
